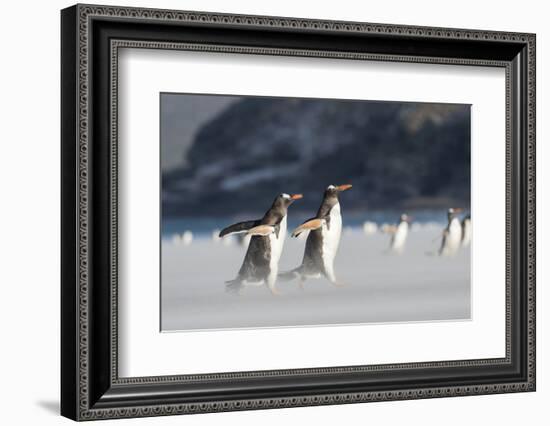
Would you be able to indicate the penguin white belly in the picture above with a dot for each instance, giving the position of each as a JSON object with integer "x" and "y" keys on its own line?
{"x": 276, "y": 247}
{"x": 453, "y": 238}
{"x": 399, "y": 238}
{"x": 331, "y": 241}
{"x": 466, "y": 233}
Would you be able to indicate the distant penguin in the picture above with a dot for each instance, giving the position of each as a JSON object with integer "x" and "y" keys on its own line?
{"x": 323, "y": 240}
{"x": 187, "y": 238}
{"x": 466, "y": 231}
{"x": 261, "y": 262}
{"x": 452, "y": 235}
{"x": 399, "y": 237}
{"x": 370, "y": 228}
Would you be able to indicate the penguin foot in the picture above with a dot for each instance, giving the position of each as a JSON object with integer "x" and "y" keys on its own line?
{"x": 274, "y": 291}
{"x": 234, "y": 287}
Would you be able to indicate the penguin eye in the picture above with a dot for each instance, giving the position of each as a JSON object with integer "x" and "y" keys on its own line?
{"x": 285, "y": 196}
{"x": 331, "y": 187}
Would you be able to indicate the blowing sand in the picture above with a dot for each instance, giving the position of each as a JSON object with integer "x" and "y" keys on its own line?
{"x": 378, "y": 287}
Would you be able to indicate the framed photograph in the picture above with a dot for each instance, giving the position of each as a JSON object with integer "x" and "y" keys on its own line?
{"x": 263, "y": 212}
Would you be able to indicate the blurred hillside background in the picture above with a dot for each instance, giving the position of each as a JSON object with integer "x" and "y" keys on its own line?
{"x": 228, "y": 156}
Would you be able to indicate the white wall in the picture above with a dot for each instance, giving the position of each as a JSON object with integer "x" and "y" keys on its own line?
{"x": 29, "y": 223}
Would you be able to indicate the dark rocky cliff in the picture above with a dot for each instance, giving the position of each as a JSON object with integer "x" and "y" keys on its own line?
{"x": 396, "y": 155}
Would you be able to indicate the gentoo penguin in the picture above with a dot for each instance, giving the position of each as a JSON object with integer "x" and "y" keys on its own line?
{"x": 323, "y": 240}
{"x": 452, "y": 235}
{"x": 399, "y": 237}
{"x": 466, "y": 231}
{"x": 261, "y": 262}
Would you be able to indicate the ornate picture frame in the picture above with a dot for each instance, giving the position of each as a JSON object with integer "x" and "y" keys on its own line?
{"x": 91, "y": 37}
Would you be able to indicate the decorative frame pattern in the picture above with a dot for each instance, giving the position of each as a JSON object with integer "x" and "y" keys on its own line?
{"x": 86, "y": 406}
{"x": 118, "y": 44}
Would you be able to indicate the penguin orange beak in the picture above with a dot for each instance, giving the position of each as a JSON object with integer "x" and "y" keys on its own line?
{"x": 295, "y": 197}
{"x": 458, "y": 210}
{"x": 343, "y": 187}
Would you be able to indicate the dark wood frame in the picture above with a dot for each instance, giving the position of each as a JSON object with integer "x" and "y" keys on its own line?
{"x": 91, "y": 37}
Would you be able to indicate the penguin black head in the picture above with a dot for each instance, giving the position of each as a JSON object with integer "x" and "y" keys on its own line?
{"x": 332, "y": 191}
{"x": 330, "y": 198}
{"x": 405, "y": 218}
{"x": 282, "y": 201}
{"x": 452, "y": 213}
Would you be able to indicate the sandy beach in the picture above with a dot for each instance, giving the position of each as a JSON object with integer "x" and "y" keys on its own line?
{"x": 378, "y": 287}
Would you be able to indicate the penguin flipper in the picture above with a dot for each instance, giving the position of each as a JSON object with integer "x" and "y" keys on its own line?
{"x": 261, "y": 230}
{"x": 239, "y": 227}
{"x": 443, "y": 241}
{"x": 309, "y": 225}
